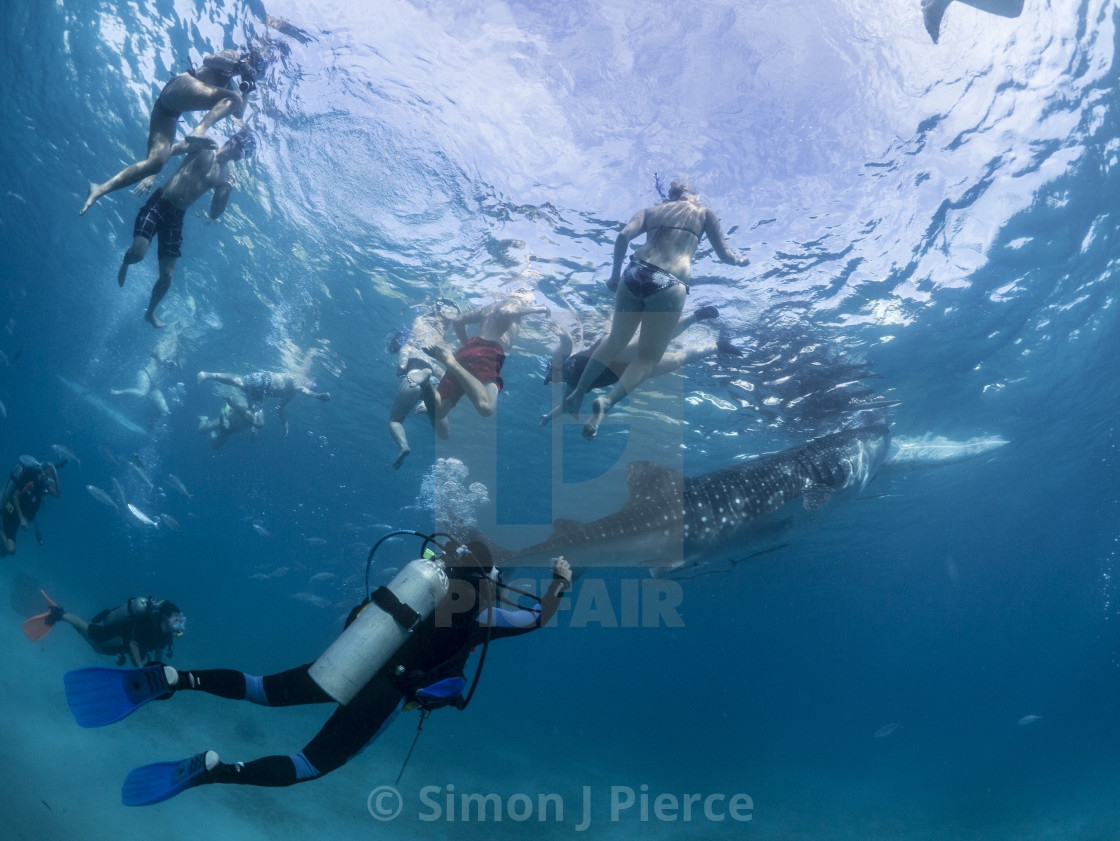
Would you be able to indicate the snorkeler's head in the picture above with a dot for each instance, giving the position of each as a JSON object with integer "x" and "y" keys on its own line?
{"x": 243, "y": 144}
{"x": 681, "y": 189}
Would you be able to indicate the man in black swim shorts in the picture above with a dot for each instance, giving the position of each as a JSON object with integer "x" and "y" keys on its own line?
{"x": 204, "y": 169}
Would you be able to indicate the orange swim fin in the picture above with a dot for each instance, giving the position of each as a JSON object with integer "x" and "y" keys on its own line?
{"x": 37, "y": 627}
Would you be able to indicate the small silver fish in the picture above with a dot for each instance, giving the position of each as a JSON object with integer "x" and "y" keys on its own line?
{"x": 141, "y": 516}
{"x": 886, "y": 730}
{"x": 102, "y": 497}
{"x": 108, "y": 455}
{"x": 259, "y": 576}
{"x": 178, "y": 485}
{"x": 279, "y": 572}
{"x": 311, "y": 599}
{"x": 3, "y": 410}
{"x": 315, "y": 541}
{"x": 322, "y": 576}
{"x": 139, "y": 471}
{"x": 1029, "y": 719}
{"x": 64, "y": 452}
{"x": 171, "y": 522}
{"x": 261, "y": 530}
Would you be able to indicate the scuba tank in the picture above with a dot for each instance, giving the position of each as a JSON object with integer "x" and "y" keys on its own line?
{"x": 136, "y": 606}
{"x": 380, "y": 628}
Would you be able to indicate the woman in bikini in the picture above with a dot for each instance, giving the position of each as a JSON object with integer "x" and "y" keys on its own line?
{"x": 205, "y": 88}
{"x": 650, "y": 293}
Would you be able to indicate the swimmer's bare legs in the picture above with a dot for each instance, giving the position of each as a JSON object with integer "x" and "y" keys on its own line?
{"x": 225, "y": 379}
{"x": 437, "y": 414}
{"x": 484, "y": 397}
{"x": 142, "y": 389}
{"x": 166, "y": 267}
{"x": 183, "y": 93}
{"x": 409, "y": 394}
{"x": 662, "y": 311}
{"x": 135, "y": 254}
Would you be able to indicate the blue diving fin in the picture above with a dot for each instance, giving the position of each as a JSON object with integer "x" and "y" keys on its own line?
{"x": 163, "y": 780}
{"x": 100, "y": 696}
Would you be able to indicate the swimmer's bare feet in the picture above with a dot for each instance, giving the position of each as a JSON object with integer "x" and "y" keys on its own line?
{"x": 401, "y": 456}
{"x": 203, "y": 376}
{"x": 121, "y": 274}
{"x": 573, "y": 404}
{"x": 200, "y": 141}
{"x": 150, "y": 317}
{"x": 442, "y": 353}
{"x": 429, "y": 395}
{"x": 598, "y": 410}
{"x": 93, "y": 195}
{"x": 546, "y": 419}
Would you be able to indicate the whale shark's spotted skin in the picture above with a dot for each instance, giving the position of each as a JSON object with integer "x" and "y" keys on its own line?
{"x": 670, "y": 519}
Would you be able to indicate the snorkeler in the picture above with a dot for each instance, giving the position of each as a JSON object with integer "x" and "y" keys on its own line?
{"x": 206, "y": 87}
{"x": 475, "y": 368}
{"x": 204, "y": 169}
{"x": 27, "y": 486}
{"x": 934, "y": 10}
{"x": 567, "y": 367}
{"x": 405, "y": 646}
{"x": 650, "y": 294}
{"x": 256, "y": 387}
{"x": 141, "y": 630}
{"x": 414, "y": 366}
{"x": 164, "y": 356}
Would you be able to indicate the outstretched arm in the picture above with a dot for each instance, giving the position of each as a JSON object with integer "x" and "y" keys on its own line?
{"x": 511, "y": 623}
{"x": 459, "y": 322}
{"x": 715, "y": 237}
{"x": 563, "y": 351}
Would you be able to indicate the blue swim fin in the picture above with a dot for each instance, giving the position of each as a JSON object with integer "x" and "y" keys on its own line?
{"x": 100, "y": 696}
{"x": 163, "y": 780}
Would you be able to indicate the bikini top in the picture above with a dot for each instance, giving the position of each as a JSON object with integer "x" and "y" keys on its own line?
{"x": 679, "y": 228}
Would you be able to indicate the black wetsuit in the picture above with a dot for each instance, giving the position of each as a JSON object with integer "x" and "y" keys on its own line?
{"x": 145, "y": 629}
{"x": 30, "y": 485}
{"x": 432, "y": 649}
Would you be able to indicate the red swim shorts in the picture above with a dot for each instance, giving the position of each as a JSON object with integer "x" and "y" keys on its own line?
{"x": 483, "y": 359}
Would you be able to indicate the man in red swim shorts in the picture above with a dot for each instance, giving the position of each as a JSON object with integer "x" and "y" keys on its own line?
{"x": 475, "y": 368}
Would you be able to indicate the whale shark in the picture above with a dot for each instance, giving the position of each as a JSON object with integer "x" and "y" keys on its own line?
{"x": 671, "y": 522}
{"x": 96, "y": 402}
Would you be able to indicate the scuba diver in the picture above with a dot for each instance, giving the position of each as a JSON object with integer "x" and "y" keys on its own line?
{"x": 26, "y": 488}
{"x": 140, "y": 630}
{"x": 405, "y": 646}
{"x": 207, "y": 87}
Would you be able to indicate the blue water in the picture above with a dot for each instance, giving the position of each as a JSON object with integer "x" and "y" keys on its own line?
{"x": 945, "y": 216}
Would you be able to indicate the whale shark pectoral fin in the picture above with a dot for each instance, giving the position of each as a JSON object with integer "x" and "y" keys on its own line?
{"x": 647, "y": 480}
{"x": 816, "y": 496}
